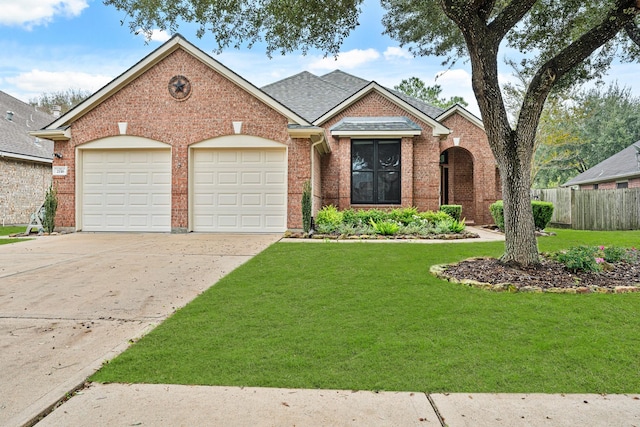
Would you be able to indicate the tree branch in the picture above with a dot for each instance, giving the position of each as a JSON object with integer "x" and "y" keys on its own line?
{"x": 633, "y": 31}
{"x": 564, "y": 61}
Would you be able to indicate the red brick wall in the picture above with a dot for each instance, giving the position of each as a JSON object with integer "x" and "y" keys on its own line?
{"x": 419, "y": 155}
{"x": 151, "y": 112}
{"x": 420, "y": 163}
{"x": 611, "y": 185}
{"x": 486, "y": 180}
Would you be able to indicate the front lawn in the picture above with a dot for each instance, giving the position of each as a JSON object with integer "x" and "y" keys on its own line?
{"x": 370, "y": 317}
{"x": 12, "y": 229}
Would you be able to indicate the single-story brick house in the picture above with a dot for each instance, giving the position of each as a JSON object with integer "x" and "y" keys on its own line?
{"x": 181, "y": 143}
{"x": 622, "y": 170}
{"x": 25, "y": 160}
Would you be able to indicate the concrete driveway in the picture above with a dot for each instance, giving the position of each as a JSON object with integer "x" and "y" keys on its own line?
{"x": 68, "y": 303}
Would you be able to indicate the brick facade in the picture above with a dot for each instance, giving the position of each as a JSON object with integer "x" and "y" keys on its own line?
{"x": 612, "y": 185}
{"x": 24, "y": 187}
{"x": 142, "y": 100}
{"x": 150, "y": 111}
{"x": 473, "y": 180}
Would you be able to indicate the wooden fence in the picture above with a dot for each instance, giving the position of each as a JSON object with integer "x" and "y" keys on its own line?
{"x": 593, "y": 209}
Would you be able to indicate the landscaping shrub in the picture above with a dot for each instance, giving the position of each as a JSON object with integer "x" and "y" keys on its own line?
{"x": 450, "y": 225}
{"x": 497, "y": 212}
{"x": 434, "y": 217}
{"x": 329, "y": 217}
{"x": 306, "y": 206}
{"x": 386, "y": 228}
{"x": 579, "y": 258}
{"x": 542, "y": 212}
{"x": 404, "y": 216}
{"x": 454, "y": 211}
{"x": 50, "y": 208}
{"x": 406, "y": 221}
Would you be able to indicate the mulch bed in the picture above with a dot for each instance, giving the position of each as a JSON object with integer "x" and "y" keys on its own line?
{"x": 550, "y": 276}
{"x": 452, "y": 236}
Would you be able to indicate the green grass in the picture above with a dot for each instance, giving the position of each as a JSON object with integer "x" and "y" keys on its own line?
{"x": 370, "y": 317}
{"x": 12, "y": 229}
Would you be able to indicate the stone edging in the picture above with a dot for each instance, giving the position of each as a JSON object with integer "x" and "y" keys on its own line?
{"x": 439, "y": 270}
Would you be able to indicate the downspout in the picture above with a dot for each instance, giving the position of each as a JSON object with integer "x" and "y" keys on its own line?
{"x": 313, "y": 169}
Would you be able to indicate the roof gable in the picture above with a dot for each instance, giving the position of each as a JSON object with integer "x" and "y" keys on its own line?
{"x": 459, "y": 109}
{"x": 438, "y": 128}
{"x": 621, "y": 165}
{"x": 148, "y": 62}
{"x": 17, "y": 120}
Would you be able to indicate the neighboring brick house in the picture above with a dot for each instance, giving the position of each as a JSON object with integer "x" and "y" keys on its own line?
{"x": 25, "y": 160}
{"x": 622, "y": 170}
{"x": 181, "y": 143}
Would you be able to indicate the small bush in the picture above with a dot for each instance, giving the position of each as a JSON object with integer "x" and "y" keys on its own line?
{"x": 613, "y": 253}
{"x": 330, "y": 216}
{"x": 375, "y": 215}
{"x": 306, "y": 206}
{"x": 542, "y": 212}
{"x": 497, "y": 212}
{"x": 404, "y": 215}
{"x": 454, "y": 211}
{"x": 386, "y": 228}
{"x": 450, "y": 225}
{"x": 434, "y": 217}
{"x": 580, "y": 258}
{"x": 50, "y": 208}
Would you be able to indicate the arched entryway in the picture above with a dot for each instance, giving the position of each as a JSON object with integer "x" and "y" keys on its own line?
{"x": 456, "y": 181}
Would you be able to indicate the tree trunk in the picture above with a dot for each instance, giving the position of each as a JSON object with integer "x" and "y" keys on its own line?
{"x": 521, "y": 246}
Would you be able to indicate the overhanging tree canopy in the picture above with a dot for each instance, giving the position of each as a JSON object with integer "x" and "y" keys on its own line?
{"x": 562, "y": 43}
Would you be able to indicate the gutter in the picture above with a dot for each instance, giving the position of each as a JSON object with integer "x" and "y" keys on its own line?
{"x": 25, "y": 157}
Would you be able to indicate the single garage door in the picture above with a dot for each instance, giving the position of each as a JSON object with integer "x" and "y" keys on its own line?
{"x": 126, "y": 190}
{"x": 239, "y": 190}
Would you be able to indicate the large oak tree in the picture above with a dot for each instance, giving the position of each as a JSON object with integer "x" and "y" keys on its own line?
{"x": 560, "y": 43}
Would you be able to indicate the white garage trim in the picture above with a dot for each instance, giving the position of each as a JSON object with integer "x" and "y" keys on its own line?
{"x": 238, "y": 141}
{"x": 238, "y": 188}
{"x": 126, "y": 188}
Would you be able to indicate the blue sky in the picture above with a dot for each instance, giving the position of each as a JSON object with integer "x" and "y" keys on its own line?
{"x": 54, "y": 45}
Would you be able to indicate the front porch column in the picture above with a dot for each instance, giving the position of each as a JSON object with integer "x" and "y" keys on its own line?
{"x": 406, "y": 156}
{"x": 344, "y": 147}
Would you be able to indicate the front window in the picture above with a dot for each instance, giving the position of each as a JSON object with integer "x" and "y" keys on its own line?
{"x": 375, "y": 171}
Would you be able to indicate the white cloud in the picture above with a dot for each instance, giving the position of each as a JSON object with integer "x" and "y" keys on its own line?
{"x": 30, "y": 13}
{"x": 346, "y": 60}
{"x": 155, "y": 35}
{"x": 36, "y": 82}
{"x": 457, "y": 82}
{"x": 394, "y": 52}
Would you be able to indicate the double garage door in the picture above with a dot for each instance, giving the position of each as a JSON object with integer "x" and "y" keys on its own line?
{"x": 232, "y": 190}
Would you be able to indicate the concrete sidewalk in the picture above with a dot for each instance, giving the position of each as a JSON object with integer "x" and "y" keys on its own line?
{"x": 177, "y": 405}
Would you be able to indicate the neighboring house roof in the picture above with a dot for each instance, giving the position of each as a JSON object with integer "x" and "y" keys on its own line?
{"x": 59, "y": 128}
{"x": 313, "y": 96}
{"x": 622, "y": 165}
{"x": 16, "y": 121}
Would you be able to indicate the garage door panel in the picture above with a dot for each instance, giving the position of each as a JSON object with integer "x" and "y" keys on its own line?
{"x": 247, "y": 186}
{"x": 227, "y": 178}
{"x": 126, "y": 190}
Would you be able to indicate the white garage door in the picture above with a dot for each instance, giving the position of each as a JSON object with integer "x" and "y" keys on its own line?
{"x": 126, "y": 190}
{"x": 239, "y": 190}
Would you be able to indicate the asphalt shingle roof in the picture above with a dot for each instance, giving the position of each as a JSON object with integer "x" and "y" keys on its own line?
{"x": 311, "y": 96}
{"x": 14, "y": 133}
{"x": 623, "y": 164}
{"x": 375, "y": 124}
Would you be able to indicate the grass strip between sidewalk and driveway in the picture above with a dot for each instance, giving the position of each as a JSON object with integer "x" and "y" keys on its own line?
{"x": 367, "y": 316}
